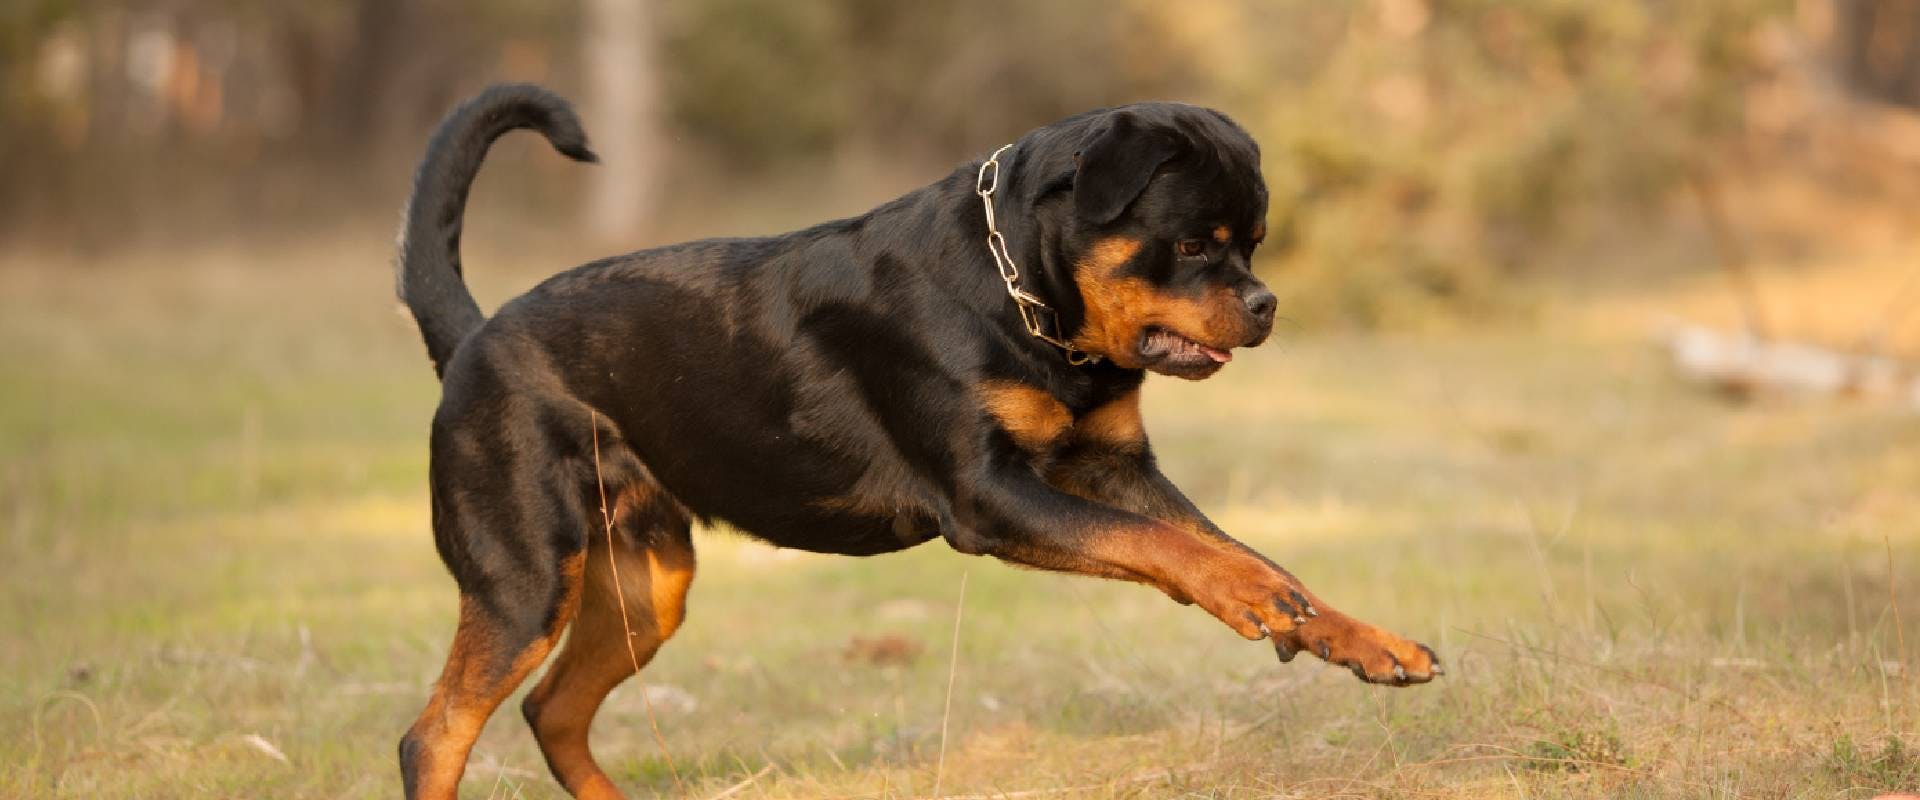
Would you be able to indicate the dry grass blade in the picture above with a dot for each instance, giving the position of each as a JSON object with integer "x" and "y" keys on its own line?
{"x": 260, "y": 743}
{"x": 953, "y": 668}
{"x": 1893, "y": 603}
{"x": 741, "y": 786}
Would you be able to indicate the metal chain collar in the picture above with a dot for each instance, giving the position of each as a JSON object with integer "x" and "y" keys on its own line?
{"x": 1032, "y": 309}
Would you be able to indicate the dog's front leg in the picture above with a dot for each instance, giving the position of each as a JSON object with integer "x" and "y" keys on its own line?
{"x": 1014, "y": 515}
{"x": 1107, "y": 460}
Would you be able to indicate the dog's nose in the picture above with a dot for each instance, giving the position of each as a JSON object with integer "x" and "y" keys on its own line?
{"x": 1260, "y": 302}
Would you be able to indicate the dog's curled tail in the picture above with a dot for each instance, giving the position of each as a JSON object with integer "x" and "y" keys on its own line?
{"x": 428, "y": 274}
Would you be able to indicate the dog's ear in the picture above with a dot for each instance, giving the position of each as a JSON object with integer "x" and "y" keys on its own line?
{"x": 1115, "y": 165}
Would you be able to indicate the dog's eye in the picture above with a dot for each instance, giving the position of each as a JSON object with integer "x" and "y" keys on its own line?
{"x": 1191, "y": 248}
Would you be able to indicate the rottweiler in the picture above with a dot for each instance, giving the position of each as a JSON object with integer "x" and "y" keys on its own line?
{"x": 962, "y": 363}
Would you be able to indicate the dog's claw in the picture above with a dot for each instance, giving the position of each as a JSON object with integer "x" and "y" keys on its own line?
{"x": 1284, "y": 650}
{"x": 1399, "y": 672}
{"x": 1435, "y": 658}
{"x": 1326, "y": 653}
{"x": 1300, "y": 603}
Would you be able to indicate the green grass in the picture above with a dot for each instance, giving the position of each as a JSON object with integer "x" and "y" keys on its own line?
{"x": 213, "y": 527}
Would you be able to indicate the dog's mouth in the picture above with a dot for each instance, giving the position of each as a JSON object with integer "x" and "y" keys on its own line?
{"x": 1170, "y": 353}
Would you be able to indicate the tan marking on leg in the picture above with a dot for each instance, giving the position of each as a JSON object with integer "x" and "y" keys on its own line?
{"x": 1171, "y": 558}
{"x": 469, "y": 690}
{"x": 1029, "y": 414}
{"x": 561, "y": 709}
{"x": 1239, "y": 589}
{"x": 1191, "y": 565}
{"x": 670, "y": 574}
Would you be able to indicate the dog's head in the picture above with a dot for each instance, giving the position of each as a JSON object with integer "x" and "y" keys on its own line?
{"x": 1167, "y": 208}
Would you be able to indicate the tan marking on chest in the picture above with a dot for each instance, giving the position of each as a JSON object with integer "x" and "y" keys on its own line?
{"x": 1029, "y": 414}
{"x": 1115, "y": 423}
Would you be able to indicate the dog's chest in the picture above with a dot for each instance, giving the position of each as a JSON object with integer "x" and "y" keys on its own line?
{"x": 1041, "y": 424}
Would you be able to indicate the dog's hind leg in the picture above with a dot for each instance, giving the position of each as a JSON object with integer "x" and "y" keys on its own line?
{"x": 652, "y": 551}
{"x": 513, "y": 530}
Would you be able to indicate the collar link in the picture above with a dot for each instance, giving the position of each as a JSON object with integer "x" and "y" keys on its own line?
{"x": 1042, "y": 321}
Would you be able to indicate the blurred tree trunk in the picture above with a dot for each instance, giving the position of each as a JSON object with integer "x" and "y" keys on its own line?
{"x": 355, "y": 89}
{"x": 623, "y": 117}
{"x": 1880, "y": 48}
{"x": 380, "y": 31}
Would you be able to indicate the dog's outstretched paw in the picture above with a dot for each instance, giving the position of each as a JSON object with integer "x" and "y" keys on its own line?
{"x": 1371, "y": 653}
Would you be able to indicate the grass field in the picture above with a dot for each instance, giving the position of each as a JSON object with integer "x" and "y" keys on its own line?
{"x": 217, "y": 580}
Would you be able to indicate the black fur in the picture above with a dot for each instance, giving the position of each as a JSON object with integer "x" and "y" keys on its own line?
{"x": 1117, "y": 165}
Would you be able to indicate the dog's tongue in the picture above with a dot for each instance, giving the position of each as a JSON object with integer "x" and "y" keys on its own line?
{"x": 1219, "y": 356}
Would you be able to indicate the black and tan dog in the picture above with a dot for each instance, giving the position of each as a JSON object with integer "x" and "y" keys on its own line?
{"x": 858, "y": 387}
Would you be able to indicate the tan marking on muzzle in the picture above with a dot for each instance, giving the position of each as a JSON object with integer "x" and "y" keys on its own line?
{"x": 1118, "y": 309}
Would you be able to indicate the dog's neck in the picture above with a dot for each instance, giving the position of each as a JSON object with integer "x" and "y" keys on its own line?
{"x": 1039, "y": 317}
{"x": 943, "y": 227}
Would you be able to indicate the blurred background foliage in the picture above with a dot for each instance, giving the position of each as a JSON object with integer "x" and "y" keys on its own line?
{"x": 1421, "y": 152}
